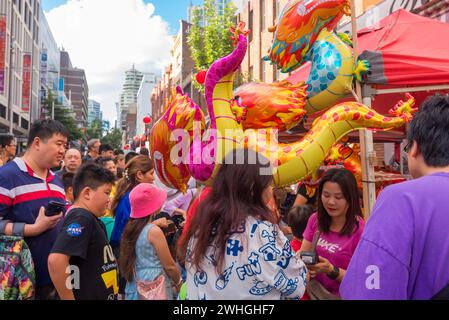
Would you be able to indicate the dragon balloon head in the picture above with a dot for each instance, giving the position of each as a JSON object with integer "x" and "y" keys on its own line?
{"x": 299, "y": 25}
{"x": 170, "y": 138}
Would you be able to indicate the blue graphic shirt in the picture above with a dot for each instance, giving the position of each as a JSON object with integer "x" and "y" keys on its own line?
{"x": 259, "y": 264}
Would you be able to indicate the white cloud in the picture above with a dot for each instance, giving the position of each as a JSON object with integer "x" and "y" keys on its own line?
{"x": 105, "y": 37}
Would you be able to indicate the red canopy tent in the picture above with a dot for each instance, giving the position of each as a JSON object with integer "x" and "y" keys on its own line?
{"x": 407, "y": 53}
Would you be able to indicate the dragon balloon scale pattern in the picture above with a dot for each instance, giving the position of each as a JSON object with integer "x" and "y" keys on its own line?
{"x": 248, "y": 116}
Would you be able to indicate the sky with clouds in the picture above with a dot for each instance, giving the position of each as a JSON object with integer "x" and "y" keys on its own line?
{"x": 106, "y": 37}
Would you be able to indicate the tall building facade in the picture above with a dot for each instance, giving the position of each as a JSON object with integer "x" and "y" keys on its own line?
{"x": 19, "y": 65}
{"x": 144, "y": 106}
{"x": 220, "y": 6}
{"x": 75, "y": 88}
{"x": 94, "y": 112}
{"x": 259, "y": 15}
{"x": 50, "y": 60}
{"x": 128, "y": 102}
{"x": 180, "y": 73}
{"x": 106, "y": 126}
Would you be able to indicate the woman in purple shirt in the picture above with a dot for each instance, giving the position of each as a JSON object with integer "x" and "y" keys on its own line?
{"x": 339, "y": 220}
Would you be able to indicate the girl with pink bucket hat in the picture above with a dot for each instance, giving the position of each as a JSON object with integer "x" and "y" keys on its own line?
{"x": 145, "y": 259}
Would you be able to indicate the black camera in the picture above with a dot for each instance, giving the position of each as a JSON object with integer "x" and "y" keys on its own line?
{"x": 54, "y": 208}
{"x": 310, "y": 258}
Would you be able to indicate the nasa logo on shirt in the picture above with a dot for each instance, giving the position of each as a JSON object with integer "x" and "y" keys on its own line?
{"x": 74, "y": 230}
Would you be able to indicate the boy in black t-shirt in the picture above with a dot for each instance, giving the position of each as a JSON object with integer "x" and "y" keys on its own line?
{"x": 81, "y": 264}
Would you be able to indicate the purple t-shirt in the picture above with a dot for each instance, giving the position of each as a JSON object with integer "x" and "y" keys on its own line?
{"x": 404, "y": 252}
{"x": 334, "y": 247}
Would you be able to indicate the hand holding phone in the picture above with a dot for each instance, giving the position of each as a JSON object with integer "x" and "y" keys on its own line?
{"x": 309, "y": 258}
{"x": 54, "y": 208}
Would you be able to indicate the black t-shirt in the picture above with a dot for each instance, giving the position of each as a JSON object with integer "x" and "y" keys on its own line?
{"x": 83, "y": 238}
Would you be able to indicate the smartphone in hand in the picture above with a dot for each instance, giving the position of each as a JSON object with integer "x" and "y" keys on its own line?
{"x": 54, "y": 208}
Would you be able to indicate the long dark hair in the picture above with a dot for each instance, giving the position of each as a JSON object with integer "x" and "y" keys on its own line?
{"x": 348, "y": 185}
{"x": 129, "y": 180}
{"x": 236, "y": 194}
{"x": 127, "y": 260}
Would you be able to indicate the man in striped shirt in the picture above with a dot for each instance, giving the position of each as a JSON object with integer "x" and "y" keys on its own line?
{"x": 26, "y": 186}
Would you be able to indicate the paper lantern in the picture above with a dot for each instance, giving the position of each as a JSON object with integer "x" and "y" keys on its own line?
{"x": 201, "y": 77}
{"x": 147, "y": 120}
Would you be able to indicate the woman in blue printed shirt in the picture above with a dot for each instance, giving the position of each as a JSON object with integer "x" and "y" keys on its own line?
{"x": 234, "y": 249}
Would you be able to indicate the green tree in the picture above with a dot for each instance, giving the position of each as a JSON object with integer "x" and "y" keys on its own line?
{"x": 114, "y": 138}
{"x": 196, "y": 41}
{"x": 214, "y": 40}
{"x": 63, "y": 115}
{"x": 95, "y": 130}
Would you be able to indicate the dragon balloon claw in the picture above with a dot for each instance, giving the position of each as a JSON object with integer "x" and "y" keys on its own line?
{"x": 405, "y": 110}
{"x": 345, "y": 38}
{"x": 362, "y": 68}
{"x": 240, "y": 112}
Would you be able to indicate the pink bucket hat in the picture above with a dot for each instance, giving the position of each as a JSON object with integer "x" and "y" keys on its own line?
{"x": 146, "y": 199}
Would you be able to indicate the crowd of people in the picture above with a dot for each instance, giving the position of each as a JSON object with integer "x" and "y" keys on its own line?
{"x": 119, "y": 233}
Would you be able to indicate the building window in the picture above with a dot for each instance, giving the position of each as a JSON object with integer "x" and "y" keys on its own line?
{"x": 24, "y": 124}
{"x": 2, "y": 111}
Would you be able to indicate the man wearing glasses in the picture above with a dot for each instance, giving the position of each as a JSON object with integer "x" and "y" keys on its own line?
{"x": 93, "y": 146}
{"x": 8, "y": 147}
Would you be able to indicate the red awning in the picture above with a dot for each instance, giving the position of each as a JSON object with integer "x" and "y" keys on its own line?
{"x": 412, "y": 50}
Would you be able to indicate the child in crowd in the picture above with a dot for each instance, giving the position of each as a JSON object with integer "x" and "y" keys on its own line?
{"x": 67, "y": 179}
{"x": 138, "y": 170}
{"x": 81, "y": 255}
{"x": 120, "y": 164}
{"x": 144, "y": 255}
{"x": 108, "y": 219}
{"x": 107, "y": 163}
{"x": 297, "y": 220}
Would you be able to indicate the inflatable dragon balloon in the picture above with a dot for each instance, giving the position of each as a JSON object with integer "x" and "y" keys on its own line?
{"x": 181, "y": 147}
